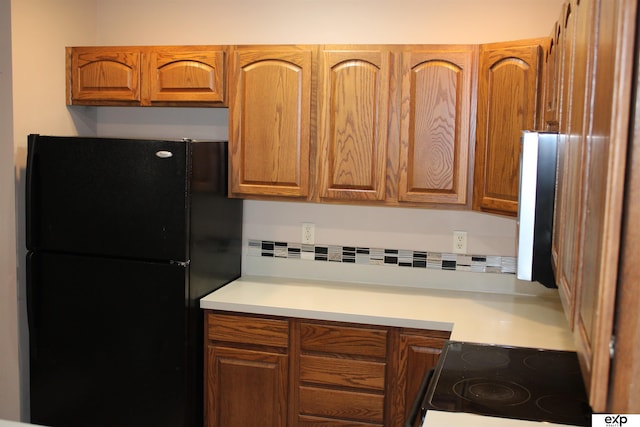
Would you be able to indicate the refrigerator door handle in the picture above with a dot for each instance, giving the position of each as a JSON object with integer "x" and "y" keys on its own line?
{"x": 30, "y": 195}
{"x": 32, "y": 306}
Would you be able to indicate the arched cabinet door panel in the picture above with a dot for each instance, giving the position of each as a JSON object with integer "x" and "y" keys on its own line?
{"x": 353, "y": 116}
{"x": 104, "y": 74}
{"x": 186, "y": 74}
{"x": 507, "y": 104}
{"x": 270, "y": 106}
{"x": 437, "y": 101}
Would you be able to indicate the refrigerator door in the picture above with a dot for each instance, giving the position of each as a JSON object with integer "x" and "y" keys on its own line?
{"x": 107, "y": 342}
{"x": 109, "y": 197}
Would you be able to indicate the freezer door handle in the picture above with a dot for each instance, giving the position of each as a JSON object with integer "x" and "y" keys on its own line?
{"x": 417, "y": 402}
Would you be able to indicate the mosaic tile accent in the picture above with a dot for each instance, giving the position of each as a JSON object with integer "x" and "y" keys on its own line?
{"x": 379, "y": 256}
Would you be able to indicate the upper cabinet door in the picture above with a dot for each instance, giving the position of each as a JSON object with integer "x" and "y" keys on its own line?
{"x": 103, "y": 75}
{"x": 552, "y": 80}
{"x": 352, "y": 123}
{"x": 269, "y": 121}
{"x": 437, "y": 100}
{"x": 507, "y": 103}
{"x": 191, "y": 73}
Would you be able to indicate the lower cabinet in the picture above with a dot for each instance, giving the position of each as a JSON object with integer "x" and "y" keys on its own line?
{"x": 244, "y": 383}
{"x": 418, "y": 352}
{"x": 301, "y": 372}
{"x": 246, "y": 371}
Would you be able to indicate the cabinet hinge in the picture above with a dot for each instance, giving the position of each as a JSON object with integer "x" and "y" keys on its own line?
{"x": 612, "y": 346}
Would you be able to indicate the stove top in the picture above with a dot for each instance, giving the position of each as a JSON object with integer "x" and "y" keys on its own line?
{"x": 511, "y": 382}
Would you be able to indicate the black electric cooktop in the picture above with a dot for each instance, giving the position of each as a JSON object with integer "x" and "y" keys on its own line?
{"x": 510, "y": 382}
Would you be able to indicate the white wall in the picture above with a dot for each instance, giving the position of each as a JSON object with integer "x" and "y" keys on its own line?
{"x": 9, "y": 359}
{"x": 322, "y": 21}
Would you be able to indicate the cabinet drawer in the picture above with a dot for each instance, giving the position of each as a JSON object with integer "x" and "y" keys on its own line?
{"x": 307, "y": 421}
{"x": 348, "y": 405}
{"x": 343, "y": 340}
{"x": 342, "y": 372}
{"x": 247, "y": 330}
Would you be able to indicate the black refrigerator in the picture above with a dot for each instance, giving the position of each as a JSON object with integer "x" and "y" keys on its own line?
{"x": 124, "y": 237}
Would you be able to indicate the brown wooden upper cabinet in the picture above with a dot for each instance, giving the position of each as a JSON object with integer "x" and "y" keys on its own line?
{"x": 146, "y": 76}
{"x": 438, "y": 97}
{"x": 508, "y": 80}
{"x": 352, "y": 123}
{"x": 269, "y": 121}
{"x": 594, "y": 110}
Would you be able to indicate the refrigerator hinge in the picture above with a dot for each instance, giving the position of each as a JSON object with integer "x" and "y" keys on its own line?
{"x": 612, "y": 346}
{"x": 180, "y": 263}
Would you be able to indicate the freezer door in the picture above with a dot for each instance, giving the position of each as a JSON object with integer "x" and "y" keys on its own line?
{"x": 110, "y": 197}
{"x": 107, "y": 342}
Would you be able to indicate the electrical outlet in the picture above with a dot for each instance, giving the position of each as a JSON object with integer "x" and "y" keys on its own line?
{"x": 459, "y": 242}
{"x": 308, "y": 233}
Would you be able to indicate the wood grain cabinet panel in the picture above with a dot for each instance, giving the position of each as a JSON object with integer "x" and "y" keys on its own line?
{"x": 342, "y": 372}
{"x": 186, "y": 74}
{"x": 312, "y": 421}
{"x": 352, "y": 125}
{"x": 437, "y": 99}
{"x": 269, "y": 119}
{"x": 353, "y": 341}
{"x": 342, "y": 404}
{"x": 567, "y": 232}
{"x": 244, "y": 329}
{"x": 104, "y": 75}
{"x": 551, "y": 81}
{"x": 245, "y": 386}
{"x": 507, "y": 104}
{"x": 562, "y": 74}
{"x": 419, "y": 352}
{"x": 363, "y": 374}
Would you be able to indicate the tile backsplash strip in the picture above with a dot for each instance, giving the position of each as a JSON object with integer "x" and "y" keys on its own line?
{"x": 379, "y": 256}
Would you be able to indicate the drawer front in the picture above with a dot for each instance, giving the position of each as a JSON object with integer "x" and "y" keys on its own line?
{"x": 352, "y": 341}
{"x": 342, "y": 372}
{"x": 307, "y": 421}
{"x": 347, "y": 405}
{"x": 247, "y": 330}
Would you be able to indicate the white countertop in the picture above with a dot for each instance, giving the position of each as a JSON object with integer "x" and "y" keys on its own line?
{"x": 460, "y": 419}
{"x": 7, "y": 423}
{"x": 518, "y": 320}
